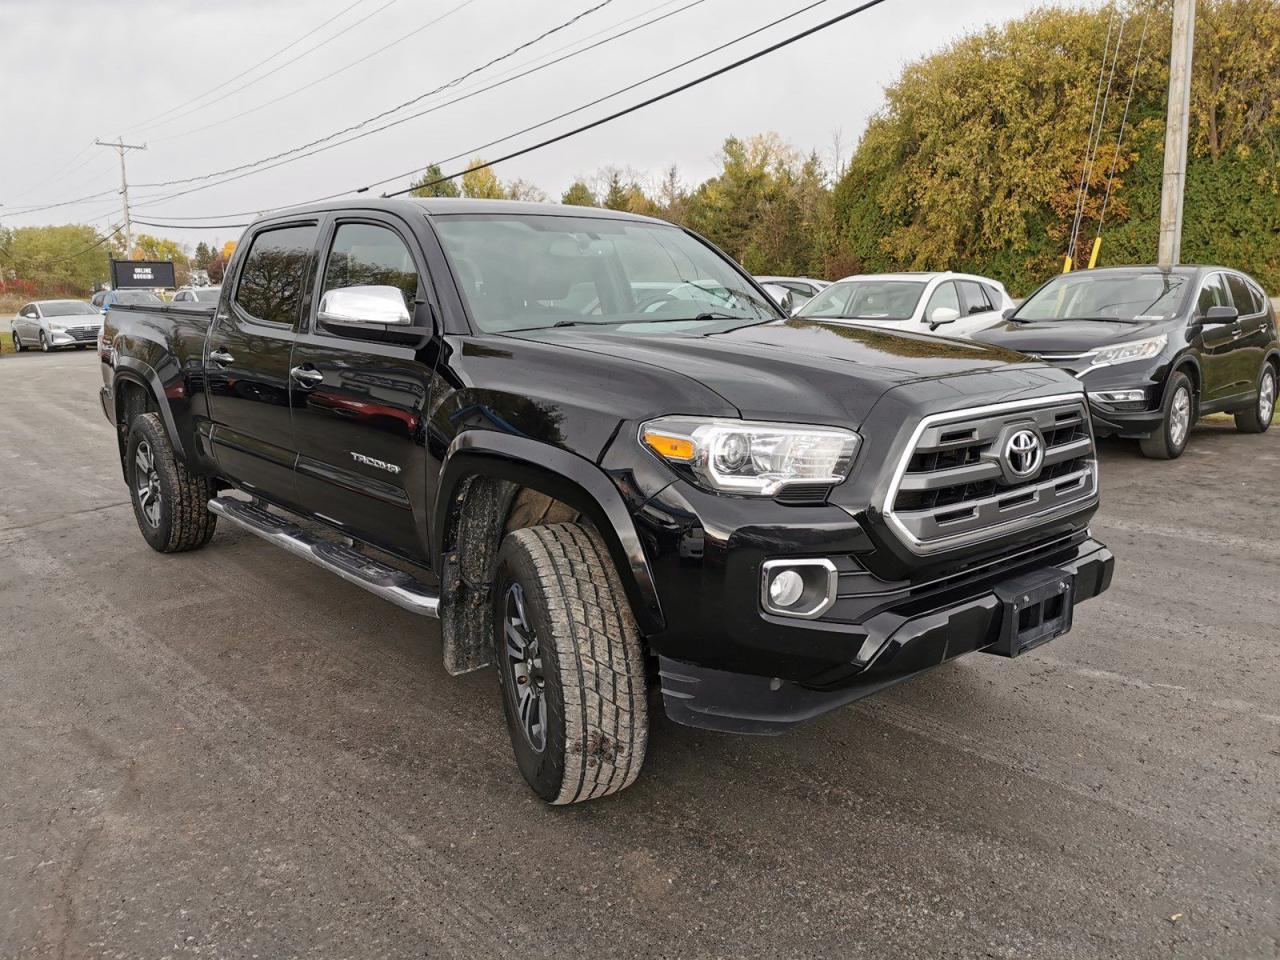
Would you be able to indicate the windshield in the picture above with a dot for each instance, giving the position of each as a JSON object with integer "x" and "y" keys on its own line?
{"x": 66, "y": 308}
{"x": 865, "y": 300}
{"x": 208, "y": 294}
{"x": 520, "y": 272}
{"x": 1123, "y": 297}
{"x": 136, "y": 297}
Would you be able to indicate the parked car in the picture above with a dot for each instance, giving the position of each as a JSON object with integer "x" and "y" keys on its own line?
{"x": 198, "y": 295}
{"x": 1156, "y": 348}
{"x": 802, "y": 288}
{"x": 600, "y": 485}
{"x": 53, "y": 324}
{"x": 105, "y": 299}
{"x": 950, "y": 304}
{"x": 782, "y": 296}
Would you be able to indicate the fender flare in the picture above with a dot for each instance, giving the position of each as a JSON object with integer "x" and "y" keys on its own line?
{"x": 132, "y": 369}
{"x": 569, "y": 478}
{"x": 1186, "y": 359}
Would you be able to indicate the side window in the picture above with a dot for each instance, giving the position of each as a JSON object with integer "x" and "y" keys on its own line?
{"x": 1259, "y": 297}
{"x": 28, "y": 311}
{"x": 1213, "y": 293}
{"x": 364, "y": 254}
{"x": 944, "y": 296}
{"x": 993, "y": 296}
{"x": 274, "y": 274}
{"x": 975, "y": 297}
{"x": 1241, "y": 295}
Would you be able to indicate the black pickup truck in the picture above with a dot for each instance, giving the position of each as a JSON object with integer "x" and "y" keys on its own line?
{"x": 593, "y": 448}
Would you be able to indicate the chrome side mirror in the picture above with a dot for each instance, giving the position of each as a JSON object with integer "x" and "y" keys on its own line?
{"x": 364, "y": 307}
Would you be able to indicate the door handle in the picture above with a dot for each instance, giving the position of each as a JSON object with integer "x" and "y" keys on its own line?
{"x": 306, "y": 376}
{"x": 221, "y": 356}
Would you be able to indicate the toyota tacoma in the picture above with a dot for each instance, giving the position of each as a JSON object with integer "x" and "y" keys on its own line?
{"x": 591, "y": 445}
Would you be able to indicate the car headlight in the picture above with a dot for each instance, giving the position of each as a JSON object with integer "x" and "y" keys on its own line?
{"x": 57, "y": 327}
{"x": 1133, "y": 350}
{"x": 749, "y": 457}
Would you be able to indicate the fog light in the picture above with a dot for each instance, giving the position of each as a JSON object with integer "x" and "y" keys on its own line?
{"x": 804, "y": 588}
{"x": 786, "y": 588}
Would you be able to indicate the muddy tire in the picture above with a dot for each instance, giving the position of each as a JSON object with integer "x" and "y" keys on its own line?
{"x": 1168, "y": 442}
{"x": 570, "y": 664}
{"x": 1258, "y": 417}
{"x": 169, "y": 501}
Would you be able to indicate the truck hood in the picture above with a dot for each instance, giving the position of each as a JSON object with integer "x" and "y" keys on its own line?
{"x": 1066, "y": 336}
{"x": 804, "y": 370}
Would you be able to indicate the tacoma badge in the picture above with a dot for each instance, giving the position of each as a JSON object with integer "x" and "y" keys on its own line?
{"x": 374, "y": 462}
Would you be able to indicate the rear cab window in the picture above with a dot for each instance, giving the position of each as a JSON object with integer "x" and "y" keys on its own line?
{"x": 274, "y": 274}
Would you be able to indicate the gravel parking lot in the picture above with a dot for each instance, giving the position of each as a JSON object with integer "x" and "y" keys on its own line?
{"x": 232, "y": 754}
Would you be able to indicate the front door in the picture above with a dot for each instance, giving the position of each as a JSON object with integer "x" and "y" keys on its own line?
{"x": 247, "y": 361}
{"x": 1219, "y": 349}
{"x": 359, "y": 402}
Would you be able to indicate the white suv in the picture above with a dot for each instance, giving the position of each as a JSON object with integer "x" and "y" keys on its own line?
{"x": 946, "y": 304}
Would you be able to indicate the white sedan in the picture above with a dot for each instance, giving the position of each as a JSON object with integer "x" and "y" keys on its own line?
{"x": 946, "y": 304}
{"x": 51, "y": 324}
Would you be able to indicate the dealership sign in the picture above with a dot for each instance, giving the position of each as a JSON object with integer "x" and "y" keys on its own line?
{"x": 134, "y": 274}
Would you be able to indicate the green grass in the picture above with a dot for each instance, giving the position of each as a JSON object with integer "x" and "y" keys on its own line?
{"x": 6, "y": 343}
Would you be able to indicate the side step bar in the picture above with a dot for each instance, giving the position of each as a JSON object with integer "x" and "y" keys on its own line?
{"x": 378, "y": 578}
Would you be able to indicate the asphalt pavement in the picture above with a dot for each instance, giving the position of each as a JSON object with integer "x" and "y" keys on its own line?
{"x": 229, "y": 753}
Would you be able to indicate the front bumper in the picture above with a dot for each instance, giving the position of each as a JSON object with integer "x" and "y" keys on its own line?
{"x": 1109, "y": 421}
{"x": 899, "y": 642}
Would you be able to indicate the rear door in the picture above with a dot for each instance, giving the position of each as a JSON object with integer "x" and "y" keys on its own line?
{"x": 247, "y": 359}
{"x": 1255, "y": 334}
{"x": 360, "y": 402}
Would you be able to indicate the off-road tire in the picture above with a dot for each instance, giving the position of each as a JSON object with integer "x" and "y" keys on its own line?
{"x": 1163, "y": 445}
{"x": 18, "y": 345}
{"x": 591, "y": 662}
{"x": 185, "y": 522}
{"x": 1252, "y": 420}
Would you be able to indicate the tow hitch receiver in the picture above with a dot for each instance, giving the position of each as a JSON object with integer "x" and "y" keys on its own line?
{"x": 1037, "y": 608}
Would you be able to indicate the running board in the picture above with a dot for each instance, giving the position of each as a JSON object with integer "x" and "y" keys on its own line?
{"x": 351, "y": 565}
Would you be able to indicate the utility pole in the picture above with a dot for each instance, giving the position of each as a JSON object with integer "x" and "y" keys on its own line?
{"x": 121, "y": 147}
{"x": 1181, "y": 51}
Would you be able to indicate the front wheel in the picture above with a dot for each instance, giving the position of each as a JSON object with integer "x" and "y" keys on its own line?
{"x": 18, "y": 346}
{"x": 44, "y": 343}
{"x": 1258, "y": 417}
{"x": 570, "y": 664}
{"x": 169, "y": 502}
{"x": 1170, "y": 439}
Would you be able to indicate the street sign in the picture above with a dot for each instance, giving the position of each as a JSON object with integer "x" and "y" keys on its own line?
{"x": 135, "y": 274}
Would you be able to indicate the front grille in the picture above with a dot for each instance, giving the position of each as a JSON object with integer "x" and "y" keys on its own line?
{"x": 954, "y": 486}
{"x": 83, "y": 333}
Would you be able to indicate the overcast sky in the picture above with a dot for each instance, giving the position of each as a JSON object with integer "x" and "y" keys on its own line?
{"x": 73, "y": 70}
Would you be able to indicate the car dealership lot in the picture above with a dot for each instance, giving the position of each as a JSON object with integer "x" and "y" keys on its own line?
{"x": 293, "y": 773}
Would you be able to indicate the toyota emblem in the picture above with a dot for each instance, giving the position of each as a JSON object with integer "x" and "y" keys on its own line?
{"x": 1023, "y": 453}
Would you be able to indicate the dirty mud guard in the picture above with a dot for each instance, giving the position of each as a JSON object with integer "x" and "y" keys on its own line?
{"x": 480, "y": 510}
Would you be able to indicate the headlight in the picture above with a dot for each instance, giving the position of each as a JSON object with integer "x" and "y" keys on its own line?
{"x": 1133, "y": 350}
{"x": 57, "y": 327}
{"x": 752, "y": 458}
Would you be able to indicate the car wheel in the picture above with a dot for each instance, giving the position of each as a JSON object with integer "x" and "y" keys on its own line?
{"x": 1258, "y": 417}
{"x": 570, "y": 664}
{"x": 1170, "y": 439}
{"x": 44, "y": 342}
{"x": 169, "y": 502}
{"x": 17, "y": 343}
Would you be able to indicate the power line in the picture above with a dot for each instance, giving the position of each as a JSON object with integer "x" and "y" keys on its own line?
{"x": 385, "y": 113}
{"x": 1124, "y": 118}
{"x": 768, "y": 26}
{"x": 122, "y": 148}
{"x": 607, "y": 119}
{"x": 327, "y": 76}
{"x": 247, "y": 70}
{"x": 53, "y": 176}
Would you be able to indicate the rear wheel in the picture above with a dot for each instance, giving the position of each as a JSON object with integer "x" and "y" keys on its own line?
{"x": 169, "y": 502}
{"x": 570, "y": 664}
{"x": 1170, "y": 439}
{"x": 1258, "y": 417}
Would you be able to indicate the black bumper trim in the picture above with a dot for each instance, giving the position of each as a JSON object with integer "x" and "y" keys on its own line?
{"x": 745, "y": 703}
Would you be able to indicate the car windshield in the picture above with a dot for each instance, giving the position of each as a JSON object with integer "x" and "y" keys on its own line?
{"x": 1125, "y": 297}
{"x": 865, "y": 300}
{"x": 531, "y": 272}
{"x": 208, "y": 294}
{"x": 66, "y": 308}
{"x": 137, "y": 297}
